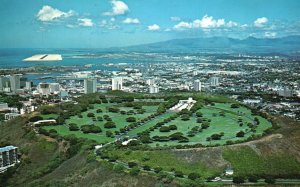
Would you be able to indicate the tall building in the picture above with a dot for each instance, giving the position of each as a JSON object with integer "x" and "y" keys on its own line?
{"x": 90, "y": 85}
{"x": 117, "y": 83}
{"x": 15, "y": 82}
{"x": 28, "y": 85}
{"x": 8, "y": 157}
{"x": 214, "y": 81}
{"x": 197, "y": 85}
{"x": 4, "y": 83}
{"x": 54, "y": 87}
{"x": 44, "y": 88}
{"x": 153, "y": 89}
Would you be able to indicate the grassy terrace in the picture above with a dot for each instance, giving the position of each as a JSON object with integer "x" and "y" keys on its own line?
{"x": 221, "y": 116}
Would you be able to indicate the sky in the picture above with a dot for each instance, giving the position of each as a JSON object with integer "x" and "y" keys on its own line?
{"x": 114, "y": 23}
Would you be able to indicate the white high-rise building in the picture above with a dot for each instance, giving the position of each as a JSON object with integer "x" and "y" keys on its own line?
{"x": 197, "y": 85}
{"x": 28, "y": 85}
{"x": 4, "y": 83}
{"x": 15, "y": 82}
{"x": 153, "y": 89}
{"x": 214, "y": 81}
{"x": 285, "y": 92}
{"x": 90, "y": 85}
{"x": 117, "y": 83}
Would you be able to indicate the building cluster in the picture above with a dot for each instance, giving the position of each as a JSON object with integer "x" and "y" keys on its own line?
{"x": 8, "y": 157}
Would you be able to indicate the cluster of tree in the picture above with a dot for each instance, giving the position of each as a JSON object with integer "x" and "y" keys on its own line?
{"x": 90, "y": 129}
{"x": 194, "y": 131}
{"x": 113, "y": 109}
{"x": 131, "y": 119}
{"x": 175, "y": 136}
{"x": 167, "y": 128}
{"x": 240, "y": 134}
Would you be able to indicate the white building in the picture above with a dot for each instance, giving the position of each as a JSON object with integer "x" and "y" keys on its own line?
{"x": 8, "y": 157}
{"x": 117, "y": 83}
{"x": 90, "y": 85}
{"x": 197, "y": 85}
{"x": 184, "y": 104}
{"x": 153, "y": 89}
{"x": 48, "y": 88}
{"x": 4, "y": 83}
{"x": 285, "y": 92}
{"x": 28, "y": 85}
{"x": 150, "y": 82}
{"x": 214, "y": 81}
{"x": 3, "y": 106}
{"x": 9, "y": 116}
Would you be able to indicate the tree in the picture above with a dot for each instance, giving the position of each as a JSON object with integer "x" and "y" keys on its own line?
{"x": 238, "y": 180}
{"x": 90, "y": 115}
{"x": 73, "y": 127}
{"x": 109, "y": 125}
{"x": 205, "y": 125}
{"x": 185, "y": 117}
{"x": 35, "y": 118}
{"x": 253, "y": 179}
{"x": 193, "y": 176}
{"x": 109, "y": 134}
{"x": 173, "y": 127}
{"x": 240, "y": 134}
{"x": 113, "y": 109}
{"x": 99, "y": 110}
{"x": 131, "y": 119}
{"x": 145, "y": 139}
{"x": 199, "y": 114}
{"x": 164, "y": 129}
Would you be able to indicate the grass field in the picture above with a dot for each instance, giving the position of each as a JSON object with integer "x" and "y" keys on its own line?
{"x": 246, "y": 162}
{"x": 166, "y": 160}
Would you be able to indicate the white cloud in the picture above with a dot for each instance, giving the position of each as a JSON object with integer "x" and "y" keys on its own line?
{"x": 175, "y": 18}
{"x": 48, "y": 14}
{"x": 85, "y": 22}
{"x": 131, "y": 21}
{"x": 183, "y": 25}
{"x": 110, "y": 24}
{"x": 153, "y": 27}
{"x": 208, "y": 22}
{"x": 118, "y": 8}
{"x": 205, "y": 23}
{"x": 260, "y": 22}
{"x": 270, "y": 34}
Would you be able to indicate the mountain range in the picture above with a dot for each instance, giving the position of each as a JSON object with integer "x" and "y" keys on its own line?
{"x": 284, "y": 45}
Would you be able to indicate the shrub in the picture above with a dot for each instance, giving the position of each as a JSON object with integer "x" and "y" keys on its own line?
{"x": 173, "y": 127}
{"x": 178, "y": 174}
{"x": 253, "y": 179}
{"x": 90, "y": 129}
{"x": 270, "y": 180}
{"x": 157, "y": 169}
{"x": 113, "y": 109}
{"x": 193, "y": 176}
{"x": 118, "y": 168}
{"x": 109, "y": 134}
{"x": 134, "y": 171}
{"x": 99, "y": 110}
{"x": 146, "y": 168}
{"x": 238, "y": 180}
{"x": 132, "y": 164}
{"x": 35, "y": 118}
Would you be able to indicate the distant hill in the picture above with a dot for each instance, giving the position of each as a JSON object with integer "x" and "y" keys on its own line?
{"x": 286, "y": 45}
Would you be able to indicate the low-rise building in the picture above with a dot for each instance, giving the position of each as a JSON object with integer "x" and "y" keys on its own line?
{"x": 8, "y": 157}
